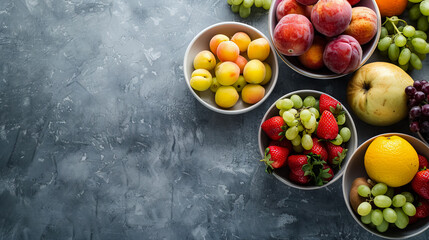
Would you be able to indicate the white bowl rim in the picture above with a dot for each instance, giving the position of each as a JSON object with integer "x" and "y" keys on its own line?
{"x": 325, "y": 76}
{"x": 274, "y": 76}
{"x": 346, "y": 197}
{"x": 422, "y": 138}
{"x": 337, "y": 176}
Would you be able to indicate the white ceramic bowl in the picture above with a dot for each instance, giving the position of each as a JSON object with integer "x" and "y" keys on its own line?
{"x": 355, "y": 168}
{"x": 324, "y": 73}
{"x": 201, "y": 42}
{"x": 282, "y": 173}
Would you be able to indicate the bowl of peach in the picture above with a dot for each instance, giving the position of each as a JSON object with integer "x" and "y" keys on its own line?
{"x": 230, "y": 67}
{"x": 324, "y": 39}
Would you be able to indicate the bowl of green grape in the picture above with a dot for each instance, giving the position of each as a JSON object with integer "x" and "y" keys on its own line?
{"x": 385, "y": 211}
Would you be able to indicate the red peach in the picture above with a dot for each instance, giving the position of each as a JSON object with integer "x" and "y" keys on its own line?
{"x": 308, "y": 11}
{"x": 353, "y": 2}
{"x": 343, "y": 54}
{"x": 286, "y": 7}
{"x": 363, "y": 26}
{"x": 293, "y": 35}
{"x": 307, "y": 2}
{"x": 331, "y": 17}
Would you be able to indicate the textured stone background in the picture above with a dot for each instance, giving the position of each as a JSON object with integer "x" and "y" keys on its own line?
{"x": 101, "y": 139}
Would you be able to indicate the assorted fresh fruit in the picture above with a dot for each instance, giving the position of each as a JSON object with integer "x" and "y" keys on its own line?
{"x": 233, "y": 66}
{"x": 394, "y": 198}
{"x": 324, "y": 33}
{"x": 308, "y": 139}
{"x": 418, "y": 105}
{"x": 403, "y": 44}
{"x": 244, "y": 7}
{"x": 311, "y": 137}
{"x": 382, "y": 208}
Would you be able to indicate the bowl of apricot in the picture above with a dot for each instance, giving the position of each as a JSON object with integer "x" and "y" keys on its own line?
{"x": 230, "y": 67}
{"x": 324, "y": 39}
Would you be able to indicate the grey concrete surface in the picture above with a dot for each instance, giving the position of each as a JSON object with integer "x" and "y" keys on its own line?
{"x": 101, "y": 139}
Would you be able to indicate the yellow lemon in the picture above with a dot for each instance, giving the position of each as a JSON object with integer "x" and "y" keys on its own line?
{"x": 391, "y": 160}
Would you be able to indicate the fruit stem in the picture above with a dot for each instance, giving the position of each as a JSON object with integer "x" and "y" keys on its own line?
{"x": 393, "y": 24}
{"x": 393, "y": 20}
{"x": 396, "y": 29}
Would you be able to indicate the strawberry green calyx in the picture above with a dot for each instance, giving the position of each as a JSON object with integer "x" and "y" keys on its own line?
{"x": 315, "y": 169}
{"x": 337, "y": 110}
{"x": 323, "y": 174}
{"x": 268, "y": 162}
{"x": 282, "y": 133}
{"x": 339, "y": 158}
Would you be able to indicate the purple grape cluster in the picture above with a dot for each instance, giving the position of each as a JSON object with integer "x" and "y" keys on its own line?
{"x": 418, "y": 105}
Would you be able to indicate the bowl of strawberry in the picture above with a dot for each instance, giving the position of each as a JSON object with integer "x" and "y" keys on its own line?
{"x": 306, "y": 138}
{"x": 386, "y": 186}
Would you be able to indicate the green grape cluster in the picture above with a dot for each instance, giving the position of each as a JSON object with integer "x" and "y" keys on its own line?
{"x": 403, "y": 44}
{"x": 382, "y": 208}
{"x": 301, "y": 117}
{"x": 244, "y": 7}
{"x": 419, "y": 12}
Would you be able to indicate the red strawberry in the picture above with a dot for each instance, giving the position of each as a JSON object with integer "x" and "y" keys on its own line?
{"x": 422, "y": 209}
{"x": 274, "y": 127}
{"x": 318, "y": 149}
{"x": 423, "y": 162}
{"x": 299, "y": 179}
{"x": 420, "y": 183}
{"x": 275, "y": 157}
{"x": 296, "y": 162}
{"x": 412, "y": 219}
{"x": 328, "y": 103}
{"x": 325, "y": 175}
{"x": 327, "y": 128}
{"x": 282, "y": 143}
{"x": 308, "y": 168}
{"x": 336, "y": 154}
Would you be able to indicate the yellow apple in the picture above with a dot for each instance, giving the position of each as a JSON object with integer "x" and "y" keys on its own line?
{"x": 376, "y": 93}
